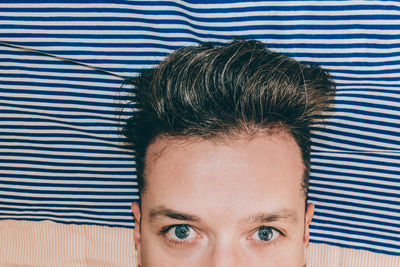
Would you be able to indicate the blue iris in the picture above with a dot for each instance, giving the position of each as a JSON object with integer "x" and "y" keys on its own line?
{"x": 182, "y": 231}
{"x": 265, "y": 233}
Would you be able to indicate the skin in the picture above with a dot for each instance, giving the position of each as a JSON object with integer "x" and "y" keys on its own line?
{"x": 221, "y": 193}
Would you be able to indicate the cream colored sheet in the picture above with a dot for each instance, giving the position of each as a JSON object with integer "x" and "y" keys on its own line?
{"x": 45, "y": 243}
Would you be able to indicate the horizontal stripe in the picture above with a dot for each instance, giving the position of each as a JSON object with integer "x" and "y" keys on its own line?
{"x": 186, "y": 31}
{"x": 360, "y": 226}
{"x": 64, "y": 197}
{"x": 70, "y": 202}
{"x": 120, "y": 223}
{"x": 348, "y": 215}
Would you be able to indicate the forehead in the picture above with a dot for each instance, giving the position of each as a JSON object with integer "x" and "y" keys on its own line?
{"x": 232, "y": 173}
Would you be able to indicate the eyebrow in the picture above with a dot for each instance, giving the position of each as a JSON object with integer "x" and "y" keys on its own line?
{"x": 264, "y": 217}
{"x": 163, "y": 212}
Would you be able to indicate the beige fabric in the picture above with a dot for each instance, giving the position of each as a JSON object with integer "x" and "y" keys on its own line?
{"x": 321, "y": 255}
{"x": 45, "y": 243}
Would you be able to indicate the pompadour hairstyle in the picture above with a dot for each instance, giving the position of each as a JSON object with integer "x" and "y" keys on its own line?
{"x": 213, "y": 92}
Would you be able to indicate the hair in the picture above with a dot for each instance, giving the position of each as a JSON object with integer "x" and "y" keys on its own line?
{"x": 212, "y": 92}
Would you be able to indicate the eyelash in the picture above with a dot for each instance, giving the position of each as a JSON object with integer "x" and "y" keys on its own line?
{"x": 269, "y": 243}
{"x": 164, "y": 231}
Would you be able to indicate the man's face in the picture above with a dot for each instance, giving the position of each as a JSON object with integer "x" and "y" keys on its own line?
{"x": 233, "y": 203}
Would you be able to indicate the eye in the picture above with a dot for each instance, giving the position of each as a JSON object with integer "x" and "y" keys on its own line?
{"x": 265, "y": 234}
{"x": 180, "y": 233}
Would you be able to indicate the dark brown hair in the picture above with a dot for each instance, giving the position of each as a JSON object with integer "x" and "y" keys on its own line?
{"x": 211, "y": 91}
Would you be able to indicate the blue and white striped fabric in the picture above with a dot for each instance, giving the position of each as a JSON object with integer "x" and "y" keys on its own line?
{"x": 63, "y": 159}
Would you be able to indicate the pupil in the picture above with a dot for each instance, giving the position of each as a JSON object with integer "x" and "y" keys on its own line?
{"x": 182, "y": 231}
{"x": 265, "y": 233}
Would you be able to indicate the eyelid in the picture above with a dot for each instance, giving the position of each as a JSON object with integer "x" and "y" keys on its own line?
{"x": 271, "y": 241}
{"x": 169, "y": 227}
{"x": 166, "y": 230}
